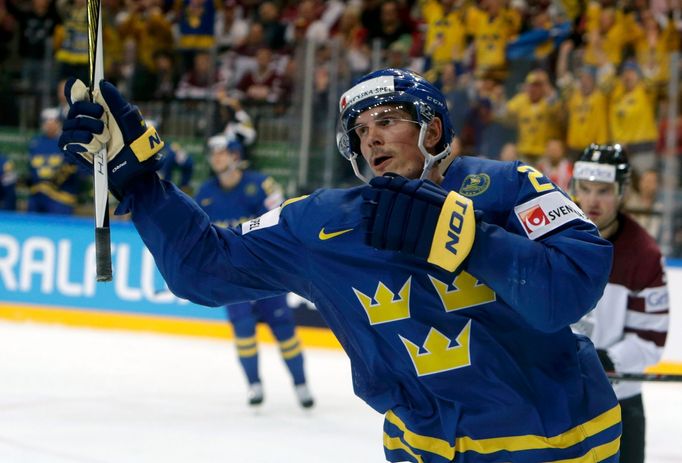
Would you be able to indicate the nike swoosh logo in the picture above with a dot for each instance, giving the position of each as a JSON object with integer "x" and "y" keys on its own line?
{"x": 328, "y": 236}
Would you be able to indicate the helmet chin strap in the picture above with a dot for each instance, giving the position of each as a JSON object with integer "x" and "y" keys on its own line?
{"x": 429, "y": 159}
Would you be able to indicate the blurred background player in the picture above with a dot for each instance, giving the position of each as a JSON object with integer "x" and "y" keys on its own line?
{"x": 54, "y": 180}
{"x": 178, "y": 166}
{"x": 8, "y": 183}
{"x": 630, "y": 322}
{"x": 235, "y": 195}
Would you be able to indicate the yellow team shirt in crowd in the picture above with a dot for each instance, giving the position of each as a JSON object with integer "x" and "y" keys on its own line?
{"x": 446, "y": 38}
{"x": 611, "y": 43}
{"x": 631, "y": 115}
{"x": 491, "y": 35}
{"x": 536, "y": 124}
{"x": 587, "y": 119}
{"x": 653, "y": 57}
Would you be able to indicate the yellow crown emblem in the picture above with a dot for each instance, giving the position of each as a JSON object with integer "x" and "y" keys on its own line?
{"x": 468, "y": 292}
{"x": 384, "y": 308}
{"x": 439, "y": 356}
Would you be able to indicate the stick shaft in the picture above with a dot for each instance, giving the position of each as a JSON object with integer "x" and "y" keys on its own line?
{"x": 643, "y": 377}
{"x": 101, "y": 181}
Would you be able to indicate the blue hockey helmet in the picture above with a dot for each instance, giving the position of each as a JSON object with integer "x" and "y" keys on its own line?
{"x": 394, "y": 87}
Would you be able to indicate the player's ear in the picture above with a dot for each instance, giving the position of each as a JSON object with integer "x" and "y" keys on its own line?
{"x": 434, "y": 132}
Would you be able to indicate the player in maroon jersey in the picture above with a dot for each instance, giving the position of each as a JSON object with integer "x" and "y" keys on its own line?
{"x": 630, "y": 322}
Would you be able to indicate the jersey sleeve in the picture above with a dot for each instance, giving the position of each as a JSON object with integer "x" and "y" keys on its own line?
{"x": 646, "y": 317}
{"x": 547, "y": 262}
{"x": 209, "y": 265}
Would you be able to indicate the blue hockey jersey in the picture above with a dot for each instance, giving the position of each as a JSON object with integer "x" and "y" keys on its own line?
{"x": 479, "y": 365}
{"x": 254, "y": 195}
{"x": 52, "y": 173}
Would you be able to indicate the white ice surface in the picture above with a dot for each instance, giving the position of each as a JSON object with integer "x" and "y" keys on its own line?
{"x": 92, "y": 396}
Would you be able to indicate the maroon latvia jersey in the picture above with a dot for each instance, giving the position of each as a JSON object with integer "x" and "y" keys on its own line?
{"x": 630, "y": 321}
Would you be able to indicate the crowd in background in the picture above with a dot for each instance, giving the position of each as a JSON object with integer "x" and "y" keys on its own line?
{"x": 535, "y": 80}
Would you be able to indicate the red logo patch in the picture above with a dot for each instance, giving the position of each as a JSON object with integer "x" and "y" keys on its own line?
{"x": 533, "y": 218}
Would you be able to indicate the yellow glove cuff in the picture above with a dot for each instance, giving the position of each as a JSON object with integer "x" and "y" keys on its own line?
{"x": 147, "y": 144}
{"x": 455, "y": 232}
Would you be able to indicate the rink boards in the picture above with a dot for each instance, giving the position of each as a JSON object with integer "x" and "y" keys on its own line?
{"x": 47, "y": 275}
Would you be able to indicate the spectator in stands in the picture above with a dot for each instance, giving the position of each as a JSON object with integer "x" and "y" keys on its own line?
{"x": 606, "y": 35}
{"x": 203, "y": 80}
{"x": 482, "y": 134}
{"x": 7, "y": 27}
{"x": 492, "y": 26}
{"x": 535, "y": 112}
{"x": 457, "y": 94}
{"x": 273, "y": 28}
{"x": 509, "y": 152}
{"x": 653, "y": 44}
{"x": 389, "y": 26}
{"x": 353, "y": 40}
{"x": 262, "y": 84}
{"x": 585, "y": 105}
{"x": 555, "y": 166}
{"x": 632, "y": 117}
{"x": 446, "y": 40}
{"x": 644, "y": 204}
{"x": 71, "y": 40}
{"x": 164, "y": 78}
{"x": 151, "y": 31}
{"x": 54, "y": 180}
{"x": 8, "y": 182}
{"x": 196, "y": 27}
{"x": 232, "y": 28}
{"x": 36, "y": 24}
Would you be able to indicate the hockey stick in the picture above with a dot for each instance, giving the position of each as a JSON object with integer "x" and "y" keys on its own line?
{"x": 613, "y": 376}
{"x": 96, "y": 64}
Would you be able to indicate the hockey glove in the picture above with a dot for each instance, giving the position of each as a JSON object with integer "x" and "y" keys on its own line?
{"x": 112, "y": 123}
{"x": 419, "y": 218}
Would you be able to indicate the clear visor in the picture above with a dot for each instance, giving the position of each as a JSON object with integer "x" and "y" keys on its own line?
{"x": 352, "y": 128}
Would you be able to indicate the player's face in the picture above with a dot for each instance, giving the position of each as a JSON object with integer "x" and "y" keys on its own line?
{"x": 220, "y": 160}
{"x": 598, "y": 200}
{"x": 388, "y": 141}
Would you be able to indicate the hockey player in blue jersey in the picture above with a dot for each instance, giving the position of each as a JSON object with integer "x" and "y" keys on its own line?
{"x": 232, "y": 196}
{"x": 54, "y": 178}
{"x": 456, "y": 322}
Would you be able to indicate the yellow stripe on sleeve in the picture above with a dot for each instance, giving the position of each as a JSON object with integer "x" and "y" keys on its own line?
{"x": 518, "y": 443}
{"x": 394, "y": 443}
{"x": 531, "y": 442}
{"x": 417, "y": 441}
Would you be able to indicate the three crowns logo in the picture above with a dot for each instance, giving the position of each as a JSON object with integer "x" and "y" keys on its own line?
{"x": 468, "y": 292}
{"x": 439, "y": 356}
{"x": 383, "y": 308}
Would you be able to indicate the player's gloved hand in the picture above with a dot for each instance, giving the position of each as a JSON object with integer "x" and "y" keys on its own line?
{"x": 419, "y": 218}
{"x": 110, "y": 122}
